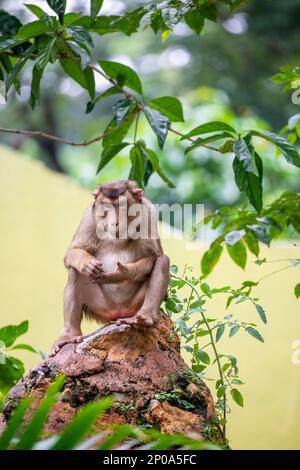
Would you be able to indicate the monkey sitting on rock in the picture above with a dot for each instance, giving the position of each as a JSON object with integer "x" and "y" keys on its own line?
{"x": 117, "y": 268}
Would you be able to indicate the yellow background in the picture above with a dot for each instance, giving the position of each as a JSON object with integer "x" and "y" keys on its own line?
{"x": 39, "y": 211}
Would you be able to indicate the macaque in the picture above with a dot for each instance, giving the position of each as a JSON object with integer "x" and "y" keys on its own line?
{"x": 117, "y": 269}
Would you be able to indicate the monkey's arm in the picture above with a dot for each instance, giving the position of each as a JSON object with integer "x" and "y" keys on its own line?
{"x": 80, "y": 253}
{"x": 135, "y": 272}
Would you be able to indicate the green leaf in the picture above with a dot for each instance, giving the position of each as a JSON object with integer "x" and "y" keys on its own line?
{"x": 81, "y": 53}
{"x": 202, "y": 141}
{"x": 45, "y": 47}
{"x": 9, "y": 334}
{"x": 237, "y": 396}
{"x": 261, "y": 313}
{"x": 109, "y": 92}
{"x": 195, "y": 21}
{"x": 30, "y": 30}
{"x": 10, "y": 43}
{"x": 121, "y": 110}
{"x": 95, "y": 7}
{"x": 238, "y": 253}
{"x": 208, "y": 128}
{"x": 122, "y": 432}
{"x": 14, "y": 423}
{"x": 59, "y": 7}
{"x": 234, "y": 236}
{"x": 70, "y": 18}
{"x": 249, "y": 182}
{"x": 234, "y": 330}
{"x": 27, "y": 347}
{"x": 227, "y": 147}
{"x": 109, "y": 153}
{"x": 221, "y": 391}
{"x": 260, "y": 231}
{"x": 245, "y": 156}
{"x": 84, "y": 78}
{"x": 138, "y": 162}
{"x": 9, "y": 24}
{"x": 119, "y": 133}
{"x": 10, "y": 372}
{"x": 209, "y": 11}
{"x": 159, "y": 124}
{"x": 169, "y": 106}
{"x": 35, "y": 86}
{"x": 252, "y": 243}
{"x": 210, "y": 258}
{"x": 297, "y": 290}
{"x": 122, "y": 73}
{"x": 253, "y": 332}
{"x": 37, "y": 11}
{"x": 203, "y": 357}
{"x": 153, "y": 158}
{"x": 13, "y": 74}
{"x": 81, "y": 424}
{"x": 220, "y": 331}
{"x": 206, "y": 289}
{"x": 36, "y": 424}
{"x": 81, "y": 35}
{"x": 289, "y": 152}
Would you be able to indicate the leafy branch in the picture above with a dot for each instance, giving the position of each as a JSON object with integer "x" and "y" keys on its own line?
{"x": 193, "y": 332}
{"x": 67, "y": 39}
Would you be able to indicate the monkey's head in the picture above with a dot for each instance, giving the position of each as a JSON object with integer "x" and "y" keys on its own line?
{"x": 112, "y": 196}
{"x": 110, "y": 192}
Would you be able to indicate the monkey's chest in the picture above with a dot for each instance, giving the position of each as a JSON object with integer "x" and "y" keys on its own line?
{"x": 110, "y": 258}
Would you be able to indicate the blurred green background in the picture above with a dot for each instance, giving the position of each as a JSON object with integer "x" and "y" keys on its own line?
{"x": 223, "y": 75}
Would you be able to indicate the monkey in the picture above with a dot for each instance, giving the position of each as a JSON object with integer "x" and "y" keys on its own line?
{"x": 115, "y": 275}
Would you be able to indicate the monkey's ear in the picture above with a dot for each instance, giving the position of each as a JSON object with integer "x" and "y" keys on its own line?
{"x": 137, "y": 193}
{"x": 96, "y": 191}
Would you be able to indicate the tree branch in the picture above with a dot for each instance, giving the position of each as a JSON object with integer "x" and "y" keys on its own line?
{"x": 45, "y": 135}
{"x": 84, "y": 143}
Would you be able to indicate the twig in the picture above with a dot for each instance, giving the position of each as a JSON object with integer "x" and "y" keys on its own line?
{"x": 127, "y": 95}
{"x": 45, "y": 135}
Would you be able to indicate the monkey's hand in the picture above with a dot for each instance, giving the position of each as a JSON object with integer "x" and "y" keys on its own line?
{"x": 92, "y": 268}
{"x": 62, "y": 340}
{"x": 122, "y": 273}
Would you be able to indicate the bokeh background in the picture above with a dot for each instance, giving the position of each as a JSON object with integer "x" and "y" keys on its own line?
{"x": 223, "y": 75}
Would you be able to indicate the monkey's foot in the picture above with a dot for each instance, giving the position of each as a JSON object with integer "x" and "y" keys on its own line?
{"x": 140, "y": 319}
{"x": 62, "y": 341}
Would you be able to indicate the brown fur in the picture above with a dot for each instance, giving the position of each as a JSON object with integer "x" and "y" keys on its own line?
{"x": 123, "y": 280}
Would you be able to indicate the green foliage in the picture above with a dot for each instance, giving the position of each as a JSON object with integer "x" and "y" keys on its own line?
{"x": 123, "y": 74}
{"x": 169, "y": 106}
{"x": 239, "y": 226}
{"x": 201, "y": 334}
{"x": 81, "y": 424}
{"x": 37, "y": 422}
{"x": 11, "y": 368}
{"x": 297, "y": 290}
{"x": 67, "y": 39}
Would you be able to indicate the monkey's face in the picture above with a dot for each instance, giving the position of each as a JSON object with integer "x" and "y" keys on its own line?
{"x": 114, "y": 206}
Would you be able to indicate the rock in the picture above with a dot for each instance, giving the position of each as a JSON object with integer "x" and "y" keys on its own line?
{"x": 142, "y": 369}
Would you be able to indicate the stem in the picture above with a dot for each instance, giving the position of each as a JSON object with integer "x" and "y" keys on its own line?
{"x": 48, "y": 136}
{"x": 136, "y": 127}
{"x": 214, "y": 348}
{"x": 274, "y": 272}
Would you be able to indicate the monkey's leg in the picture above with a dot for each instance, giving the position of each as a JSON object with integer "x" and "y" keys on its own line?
{"x": 73, "y": 311}
{"x": 155, "y": 294}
